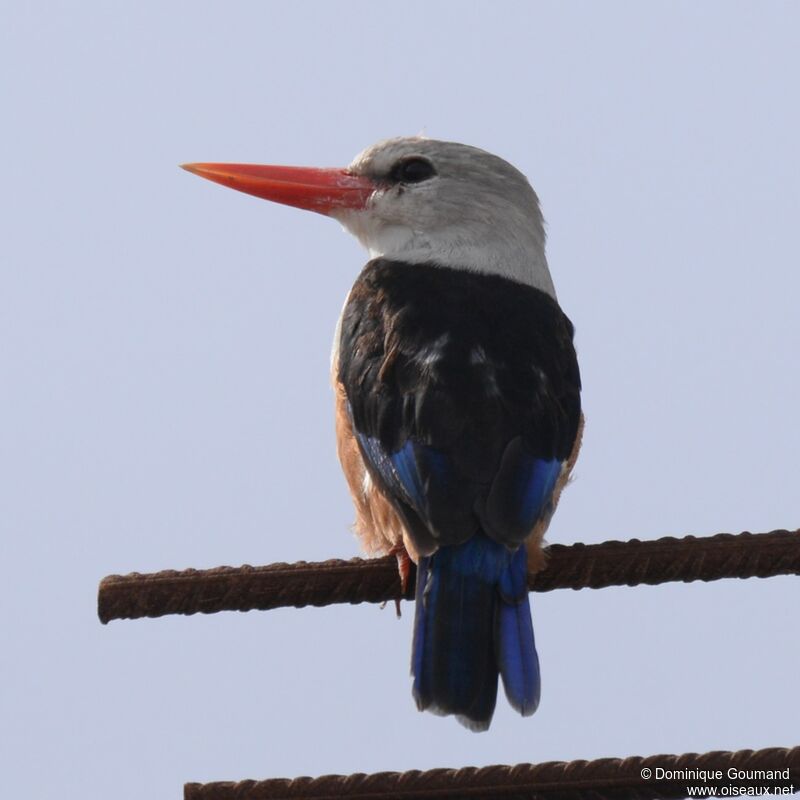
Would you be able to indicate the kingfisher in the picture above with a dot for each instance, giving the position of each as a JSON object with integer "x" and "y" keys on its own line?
{"x": 457, "y": 398}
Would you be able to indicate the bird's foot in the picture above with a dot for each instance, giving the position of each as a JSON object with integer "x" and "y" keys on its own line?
{"x": 404, "y": 568}
{"x": 537, "y": 556}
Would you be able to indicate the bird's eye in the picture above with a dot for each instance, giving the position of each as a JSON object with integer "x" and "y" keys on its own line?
{"x": 412, "y": 170}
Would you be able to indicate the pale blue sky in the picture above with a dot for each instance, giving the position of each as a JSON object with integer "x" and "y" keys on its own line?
{"x": 164, "y": 353}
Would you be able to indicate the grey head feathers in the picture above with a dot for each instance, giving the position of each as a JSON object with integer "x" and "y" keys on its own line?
{"x": 453, "y": 205}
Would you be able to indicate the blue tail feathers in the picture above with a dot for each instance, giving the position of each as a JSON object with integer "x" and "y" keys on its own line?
{"x": 472, "y": 623}
{"x": 515, "y": 646}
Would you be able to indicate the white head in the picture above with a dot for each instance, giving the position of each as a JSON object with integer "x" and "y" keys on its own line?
{"x": 418, "y": 200}
{"x": 449, "y": 204}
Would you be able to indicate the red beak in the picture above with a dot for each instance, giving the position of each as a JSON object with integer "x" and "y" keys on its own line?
{"x": 320, "y": 190}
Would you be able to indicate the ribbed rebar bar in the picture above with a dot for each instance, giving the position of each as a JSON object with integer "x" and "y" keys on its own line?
{"x": 663, "y": 776}
{"x": 577, "y": 566}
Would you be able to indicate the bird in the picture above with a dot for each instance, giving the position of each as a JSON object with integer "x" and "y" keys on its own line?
{"x": 457, "y": 398}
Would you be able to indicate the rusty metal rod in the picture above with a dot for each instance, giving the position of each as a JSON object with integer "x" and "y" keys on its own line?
{"x": 604, "y": 779}
{"x": 577, "y": 566}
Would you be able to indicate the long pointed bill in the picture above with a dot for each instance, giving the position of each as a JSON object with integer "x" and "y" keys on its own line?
{"x": 320, "y": 190}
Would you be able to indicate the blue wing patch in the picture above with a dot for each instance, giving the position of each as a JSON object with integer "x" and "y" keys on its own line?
{"x": 424, "y": 480}
{"x": 536, "y": 482}
{"x": 521, "y": 492}
{"x": 399, "y": 471}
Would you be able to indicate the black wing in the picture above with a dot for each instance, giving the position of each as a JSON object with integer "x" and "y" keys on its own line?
{"x": 464, "y": 393}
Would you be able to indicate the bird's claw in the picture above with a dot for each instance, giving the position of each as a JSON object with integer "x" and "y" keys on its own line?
{"x": 404, "y": 569}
